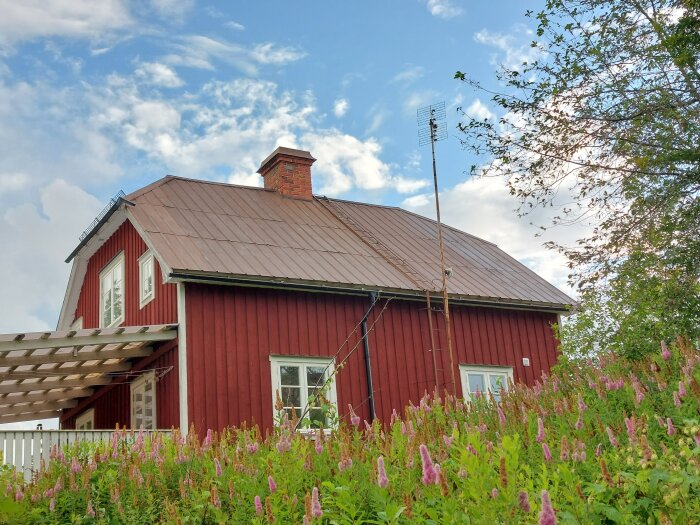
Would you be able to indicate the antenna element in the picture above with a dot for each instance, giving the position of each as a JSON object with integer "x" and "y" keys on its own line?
{"x": 432, "y": 127}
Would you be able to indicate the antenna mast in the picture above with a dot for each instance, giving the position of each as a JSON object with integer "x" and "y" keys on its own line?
{"x": 434, "y": 117}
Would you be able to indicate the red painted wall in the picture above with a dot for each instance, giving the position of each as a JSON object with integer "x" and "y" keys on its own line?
{"x": 112, "y": 403}
{"x": 161, "y": 310}
{"x": 231, "y": 332}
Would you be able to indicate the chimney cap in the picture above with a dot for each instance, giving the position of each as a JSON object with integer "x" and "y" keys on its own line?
{"x": 288, "y": 152}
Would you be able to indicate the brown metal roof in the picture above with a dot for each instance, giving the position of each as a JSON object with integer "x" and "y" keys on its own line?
{"x": 203, "y": 227}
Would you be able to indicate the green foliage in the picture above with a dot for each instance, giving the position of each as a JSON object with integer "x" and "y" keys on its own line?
{"x": 604, "y": 125}
{"x": 615, "y": 458}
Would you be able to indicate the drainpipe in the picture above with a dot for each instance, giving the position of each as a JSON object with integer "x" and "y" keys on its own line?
{"x": 368, "y": 363}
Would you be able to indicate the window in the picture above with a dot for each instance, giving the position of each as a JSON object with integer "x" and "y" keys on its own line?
{"x": 297, "y": 379}
{"x": 112, "y": 293}
{"x": 485, "y": 379}
{"x": 143, "y": 402}
{"x": 86, "y": 420}
{"x": 147, "y": 289}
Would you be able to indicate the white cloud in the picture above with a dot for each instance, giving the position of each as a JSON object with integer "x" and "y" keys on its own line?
{"x": 409, "y": 75}
{"x": 29, "y": 19}
{"x": 201, "y": 52}
{"x": 467, "y": 207}
{"x": 41, "y": 235}
{"x": 444, "y": 8}
{"x": 340, "y": 107}
{"x": 377, "y": 115}
{"x": 514, "y": 48}
{"x": 269, "y": 53}
{"x": 232, "y": 24}
{"x": 159, "y": 75}
{"x": 478, "y": 111}
{"x": 345, "y": 162}
{"x": 172, "y": 9}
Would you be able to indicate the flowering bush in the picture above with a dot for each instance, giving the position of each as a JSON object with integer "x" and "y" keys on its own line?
{"x": 610, "y": 441}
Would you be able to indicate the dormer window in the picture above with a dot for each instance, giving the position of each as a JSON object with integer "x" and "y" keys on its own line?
{"x": 112, "y": 293}
{"x": 147, "y": 289}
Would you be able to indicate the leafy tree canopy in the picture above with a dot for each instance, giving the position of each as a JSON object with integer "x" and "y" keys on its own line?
{"x": 606, "y": 120}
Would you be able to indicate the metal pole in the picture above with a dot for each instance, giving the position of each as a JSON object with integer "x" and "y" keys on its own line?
{"x": 445, "y": 299}
{"x": 432, "y": 338}
{"x": 368, "y": 363}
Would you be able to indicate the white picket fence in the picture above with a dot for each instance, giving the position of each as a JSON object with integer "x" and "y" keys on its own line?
{"x": 24, "y": 449}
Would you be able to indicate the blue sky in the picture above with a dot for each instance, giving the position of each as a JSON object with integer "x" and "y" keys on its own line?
{"x": 98, "y": 97}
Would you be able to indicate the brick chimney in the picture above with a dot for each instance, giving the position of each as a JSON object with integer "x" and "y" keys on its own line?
{"x": 288, "y": 172}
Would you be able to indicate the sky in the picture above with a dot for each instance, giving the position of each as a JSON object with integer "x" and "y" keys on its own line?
{"x": 101, "y": 97}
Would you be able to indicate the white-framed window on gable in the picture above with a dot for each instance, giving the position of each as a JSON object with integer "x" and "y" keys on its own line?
{"x": 297, "y": 380}
{"x": 147, "y": 280}
{"x": 112, "y": 293}
{"x": 86, "y": 420}
{"x": 143, "y": 402}
{"x": 480, "y": 380}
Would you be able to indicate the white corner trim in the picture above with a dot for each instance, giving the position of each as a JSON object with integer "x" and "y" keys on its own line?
{"x": 164, "y": 268}
{"x": 182, "y": 358}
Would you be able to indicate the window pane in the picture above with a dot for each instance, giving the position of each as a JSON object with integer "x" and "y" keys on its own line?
{"x": 498, "y": 381}
{"x": 312, "y": 399}
{"x": 291, "y": 397}
{"x": 476, "y": 382}
{"x": 314, "y": 375}
{"x": 289, "y": 375}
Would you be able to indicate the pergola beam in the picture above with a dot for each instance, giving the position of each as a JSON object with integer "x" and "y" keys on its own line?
{"x": 46, "y": 396}
{"x": 50, "y": 385}
{"x": 70, "y": 357}
{"x": 42, "y": 373}
{"x": 30, "y": 417}
{"x": 38, "y": 407}
{"x": 95, "y": 337}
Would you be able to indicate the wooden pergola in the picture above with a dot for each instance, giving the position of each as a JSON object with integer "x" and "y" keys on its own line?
{"x": 42, "y": 373}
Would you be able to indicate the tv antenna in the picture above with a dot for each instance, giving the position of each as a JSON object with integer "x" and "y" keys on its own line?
{"x": 432, "y": 127}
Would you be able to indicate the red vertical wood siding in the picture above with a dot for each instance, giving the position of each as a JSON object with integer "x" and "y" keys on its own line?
{"x": 112, "y": 404}
{"x": 161, "y": 310}
{"x": 231, "y": 333}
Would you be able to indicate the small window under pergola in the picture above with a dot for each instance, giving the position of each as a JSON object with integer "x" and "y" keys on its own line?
{"x": 42, "y": 373}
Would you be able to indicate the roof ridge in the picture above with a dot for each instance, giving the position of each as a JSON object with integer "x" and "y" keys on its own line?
{"x": 149, "y": 187}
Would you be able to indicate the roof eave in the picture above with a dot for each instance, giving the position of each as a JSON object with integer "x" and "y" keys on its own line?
{"x": 360, "y": 289}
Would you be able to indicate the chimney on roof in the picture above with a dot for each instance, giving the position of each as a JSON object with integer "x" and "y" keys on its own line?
{"x": 288, "y": 172}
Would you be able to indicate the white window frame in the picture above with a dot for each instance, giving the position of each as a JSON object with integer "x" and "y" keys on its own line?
{"x": 147, "y": 261}
{"x": 139, "y": 386}
{"x": 487, "y": 371}
{"x": 114, "y": 263}
{"x": 276, "y": 361}
{"x": 87, "y": 417}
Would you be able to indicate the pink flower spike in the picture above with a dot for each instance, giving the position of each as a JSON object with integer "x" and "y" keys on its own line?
{"x": 579, "y": 422}
{"x": 90, "y": 511}
{"x": 430, "y": 475}
{"x": 681, "y": 389}
{"x": 354, "y": 418}
{"x": 664, "y": 351}
{"x": 494, "y": 493}
{"x": 612, "y": 438}
{"x": 547, "y": 453}
{"x": 271, "y": 484}
{"x": 547, "y": 516}
{"x": 207, "y": 439}
{"x": 75, "y": 466}
{"x": 599, "y": 450}
{"x": 382, "y": 479}
{"x": 581, "y": 405}
{"x": 258, "y": 506}
{"x": 540, "y": 430}
{"x": 524, "y": 501}
{"x": 677, "y": 400}
{"x": 670, "y": 429}
{"x": 501, "y": 416}
{"x": 316, "y": 511}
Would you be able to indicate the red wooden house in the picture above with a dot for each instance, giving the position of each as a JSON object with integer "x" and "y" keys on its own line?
{"x": 259, "y": 291}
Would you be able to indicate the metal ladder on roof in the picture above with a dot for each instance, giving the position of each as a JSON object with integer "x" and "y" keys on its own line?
{"x": 382, "y": 249}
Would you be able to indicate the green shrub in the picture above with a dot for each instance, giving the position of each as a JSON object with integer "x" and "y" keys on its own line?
{"x": 610, "y": 441}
